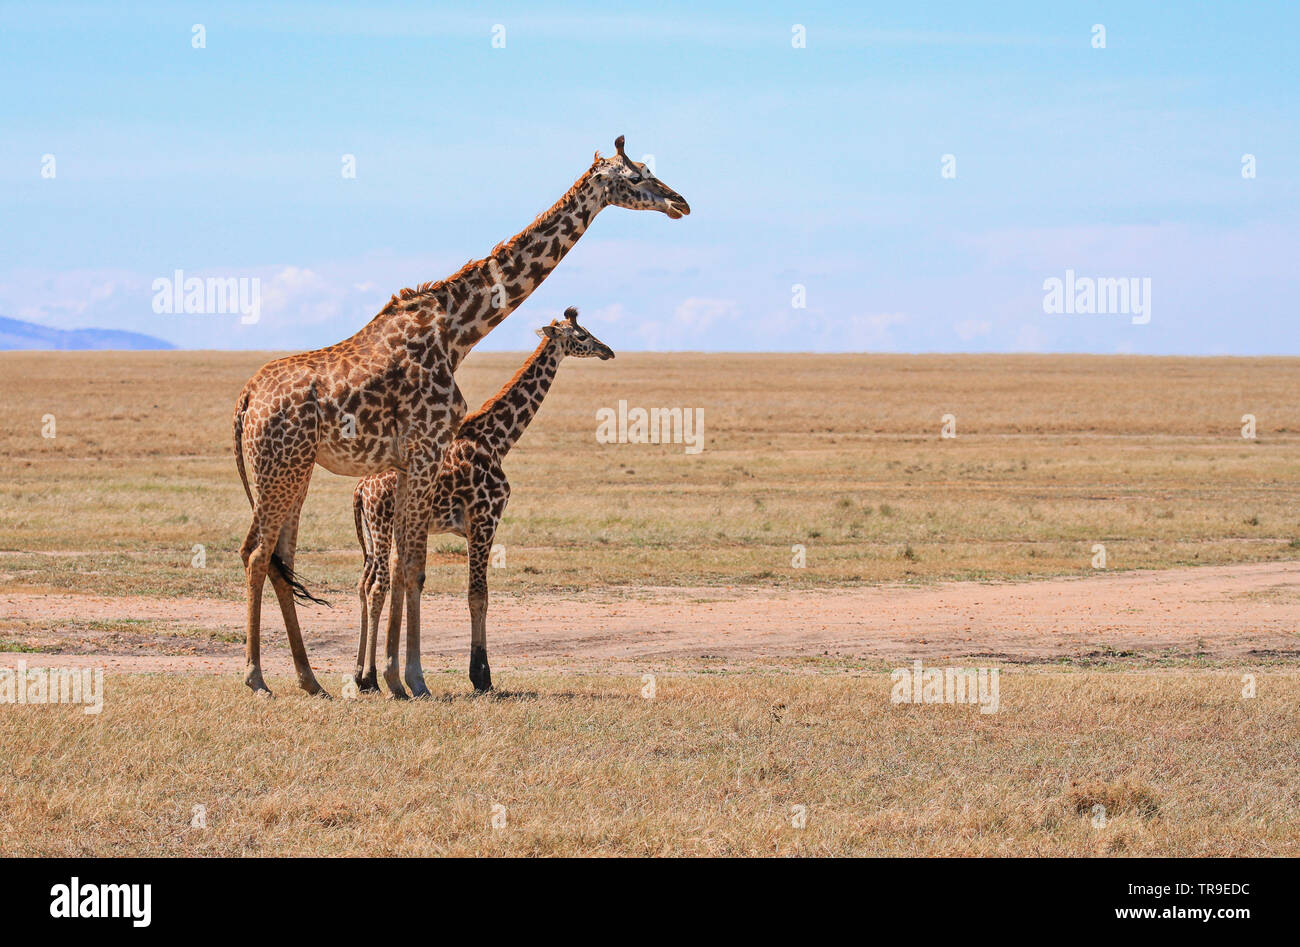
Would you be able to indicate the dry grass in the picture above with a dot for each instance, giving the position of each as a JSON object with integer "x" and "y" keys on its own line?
{"x": 839, "y": 453}
{"x": 714, "y": 764}
{"x": 1126, "y": 796}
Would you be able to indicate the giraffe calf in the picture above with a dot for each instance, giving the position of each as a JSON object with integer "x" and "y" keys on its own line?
{"x": 470, "y": 495}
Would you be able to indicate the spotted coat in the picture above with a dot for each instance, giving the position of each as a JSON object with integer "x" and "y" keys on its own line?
{"x": 386, "y": 399}
{"x": 470, "y": 492}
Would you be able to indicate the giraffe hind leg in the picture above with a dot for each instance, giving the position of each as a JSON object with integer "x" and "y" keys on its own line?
{"x": 363, "y": 511}
{"x": 373, "y": 591}
{"x": 256, "y": 561}
{"x": 358, "y": 675}
{"x": 285, "y": 548}
{"x": 366, "y": 676}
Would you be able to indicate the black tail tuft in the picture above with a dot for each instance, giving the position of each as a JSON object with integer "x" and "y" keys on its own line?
{"x": 299, "y": 590}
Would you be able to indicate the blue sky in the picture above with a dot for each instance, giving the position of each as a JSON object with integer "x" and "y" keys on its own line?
{"x": 817, "y": 166}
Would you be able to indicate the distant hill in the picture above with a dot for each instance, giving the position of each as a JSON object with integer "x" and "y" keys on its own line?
{"x": 16, "y": 334}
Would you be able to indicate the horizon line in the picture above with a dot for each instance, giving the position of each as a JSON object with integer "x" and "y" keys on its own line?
{"x": 280, "y": 353}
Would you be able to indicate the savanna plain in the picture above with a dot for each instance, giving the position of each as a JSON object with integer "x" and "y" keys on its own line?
{"x": 761, "y": 591}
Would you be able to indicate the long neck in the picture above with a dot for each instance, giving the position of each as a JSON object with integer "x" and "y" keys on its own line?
{"x": 476, "y": 299}
{"x": 503, "y": 418}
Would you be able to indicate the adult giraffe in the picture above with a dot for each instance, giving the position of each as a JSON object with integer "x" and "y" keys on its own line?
{"x": 386, "y": 399}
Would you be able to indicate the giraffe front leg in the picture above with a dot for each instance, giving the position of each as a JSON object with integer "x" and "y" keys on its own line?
{"x": 480, "y": 672}
{"x": 373, "y": 502}
{"x": 393, "y": 550}
{"x": 392, "y": 667}
{"x": 414, "y": 582}
{"x": 480, "y": 550}
{"x": 412, "y": 537}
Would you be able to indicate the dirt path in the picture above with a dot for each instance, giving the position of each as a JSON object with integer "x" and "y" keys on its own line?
{"x": 1233, "y": 611}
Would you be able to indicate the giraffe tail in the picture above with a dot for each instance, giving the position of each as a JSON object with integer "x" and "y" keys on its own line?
{"x": 239, "y": 446}
{"x": 358, "y": 518}
{"x": 300, "y": 592}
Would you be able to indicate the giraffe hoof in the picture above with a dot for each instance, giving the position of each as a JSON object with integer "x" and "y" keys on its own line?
{"x": 253, "y": 678}
{"x": 366, "y": 683}
{"x": 313, "y": 688}
{"x": 480, "y": 674}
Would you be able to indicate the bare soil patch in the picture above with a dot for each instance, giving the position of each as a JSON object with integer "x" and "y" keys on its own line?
{"x": 1224, "y": 612}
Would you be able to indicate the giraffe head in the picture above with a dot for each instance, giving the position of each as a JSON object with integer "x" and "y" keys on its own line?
{"x": 573, "y": 339}
{"x": 628, "y": 183}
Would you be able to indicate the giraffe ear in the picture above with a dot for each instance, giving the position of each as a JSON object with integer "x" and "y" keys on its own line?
{"x": 547, "y": 331}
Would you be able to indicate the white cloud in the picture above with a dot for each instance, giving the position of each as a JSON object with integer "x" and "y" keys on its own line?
{"x": 612, "y": 314}
{"x": 968, "y": 329}
{"x": 303, "y": 297}
{"x": 1031, "y": 338}
{"x": 873, "y": 331}
{"x": 701, "y": 313}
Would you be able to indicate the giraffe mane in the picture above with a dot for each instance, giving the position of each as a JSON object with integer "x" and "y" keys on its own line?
{"x": 432, "y": 287}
